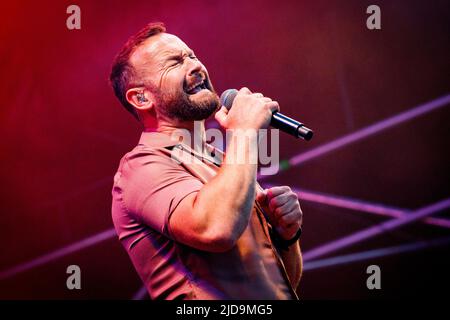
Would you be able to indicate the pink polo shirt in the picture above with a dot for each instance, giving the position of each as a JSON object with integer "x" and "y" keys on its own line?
{"x": 148, "y": 186}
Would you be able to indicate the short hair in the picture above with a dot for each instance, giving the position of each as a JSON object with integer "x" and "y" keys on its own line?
{"x": 122, "y": 72}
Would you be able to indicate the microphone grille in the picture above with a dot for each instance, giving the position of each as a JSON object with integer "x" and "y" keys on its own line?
{"x": 227, "y": 97}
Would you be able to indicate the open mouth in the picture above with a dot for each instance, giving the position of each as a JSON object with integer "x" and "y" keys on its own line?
{"x": 197, "y": 87}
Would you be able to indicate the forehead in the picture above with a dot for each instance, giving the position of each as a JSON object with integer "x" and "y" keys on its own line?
{"x": 157, "y": 48}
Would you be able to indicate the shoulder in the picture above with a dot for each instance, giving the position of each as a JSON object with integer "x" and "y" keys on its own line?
{"x": 144, "y": 155}
{"x": 145, "y": 162}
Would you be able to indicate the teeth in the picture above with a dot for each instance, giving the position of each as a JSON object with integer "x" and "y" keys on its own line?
{"x": 195, "y": 85}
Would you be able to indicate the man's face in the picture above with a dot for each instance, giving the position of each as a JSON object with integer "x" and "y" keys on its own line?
{"x": 179, "y": 81}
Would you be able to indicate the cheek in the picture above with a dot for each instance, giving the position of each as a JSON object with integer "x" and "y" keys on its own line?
{"x": 173, "y": 82}
{"x": 170, "y": 78}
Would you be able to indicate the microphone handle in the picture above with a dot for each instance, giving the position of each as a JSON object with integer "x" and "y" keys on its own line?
{"x": 291, "y": 126}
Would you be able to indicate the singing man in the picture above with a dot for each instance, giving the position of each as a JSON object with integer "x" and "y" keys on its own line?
{"x": 195, "y": 222}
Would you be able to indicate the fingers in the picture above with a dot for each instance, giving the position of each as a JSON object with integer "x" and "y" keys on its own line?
{"x": 289, "y": 219}
{"x": 261, "y": 196}
{"x": 279, "y": 201}
{"x": 221, "y": 115}
{"x": 273, "y": 105}
{"x": 276, "y": 191}
{"x": 282, "y": 210}
{"x": 285, "y": 210}
{"x": 244, "y": 90}
{"x": 282, "y": 200}
{"x": 249, "y": 111}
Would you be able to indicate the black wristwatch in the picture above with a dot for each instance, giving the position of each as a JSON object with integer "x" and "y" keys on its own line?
{"x": 284, "y": 244}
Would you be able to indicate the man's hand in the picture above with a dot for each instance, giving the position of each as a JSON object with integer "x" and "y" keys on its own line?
{"x": 282, "y": 205}
{"x": 249, "y": 111}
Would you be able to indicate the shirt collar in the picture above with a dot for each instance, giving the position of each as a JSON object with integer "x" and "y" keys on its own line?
{"x": 155, "y": 139}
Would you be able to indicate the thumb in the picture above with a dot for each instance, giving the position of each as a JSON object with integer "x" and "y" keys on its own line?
{"x": 221, "y": 116}
{"x": 261, "y": 196}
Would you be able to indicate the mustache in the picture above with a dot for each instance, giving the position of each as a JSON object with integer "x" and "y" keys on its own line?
{"x": 203, "y": 77}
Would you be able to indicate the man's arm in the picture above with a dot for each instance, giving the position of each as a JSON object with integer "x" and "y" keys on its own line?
{"x": 285, "y": 216}
{"x": 293, "y": 262}
{"x": 214, "y": 218}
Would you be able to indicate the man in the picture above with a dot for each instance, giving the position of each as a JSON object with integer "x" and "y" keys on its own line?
{"x": 200, "y": 229}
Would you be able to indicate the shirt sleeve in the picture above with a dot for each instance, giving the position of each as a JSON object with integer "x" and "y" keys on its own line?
{"x": 152, "y": 187}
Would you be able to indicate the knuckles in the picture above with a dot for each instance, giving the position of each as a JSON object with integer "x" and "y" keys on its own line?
{"x": 281, "y": 219}
{"x": 257, "y": 100}
{"x": 292, "y": 196}
{"x": 244, "y": 90}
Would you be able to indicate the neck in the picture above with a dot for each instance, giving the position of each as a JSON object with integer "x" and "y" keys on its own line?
{"x": 193, "y": 132}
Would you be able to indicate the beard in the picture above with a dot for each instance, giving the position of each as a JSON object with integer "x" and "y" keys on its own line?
{"x": 189, "y": 107}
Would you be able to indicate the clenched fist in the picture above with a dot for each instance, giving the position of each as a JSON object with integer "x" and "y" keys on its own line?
{"x": 283, "y": 208}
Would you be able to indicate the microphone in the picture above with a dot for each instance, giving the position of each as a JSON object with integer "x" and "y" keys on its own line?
{"x": 279, "y": 121}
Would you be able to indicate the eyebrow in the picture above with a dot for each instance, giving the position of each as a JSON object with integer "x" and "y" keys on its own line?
{"x": 179, "y": 54}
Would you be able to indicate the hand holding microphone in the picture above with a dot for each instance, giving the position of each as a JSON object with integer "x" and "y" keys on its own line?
{"x": 255, "y": 108}
{"x": 250, "y": 111}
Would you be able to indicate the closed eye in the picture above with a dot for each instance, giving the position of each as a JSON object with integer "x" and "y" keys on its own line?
{"x": 175, "y": 60}
{"x": 179, "y": 59}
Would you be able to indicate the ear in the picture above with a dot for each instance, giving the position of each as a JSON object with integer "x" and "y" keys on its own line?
{"x": 140, "y": 98}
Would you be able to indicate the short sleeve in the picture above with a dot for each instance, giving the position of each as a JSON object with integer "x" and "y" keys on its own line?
{"x": 152, "y": 186}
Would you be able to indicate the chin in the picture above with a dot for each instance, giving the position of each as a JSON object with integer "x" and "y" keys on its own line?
{"x": 203, "y": 97}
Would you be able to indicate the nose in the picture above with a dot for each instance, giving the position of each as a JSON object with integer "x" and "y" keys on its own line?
{"x": 194, "y": 67}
